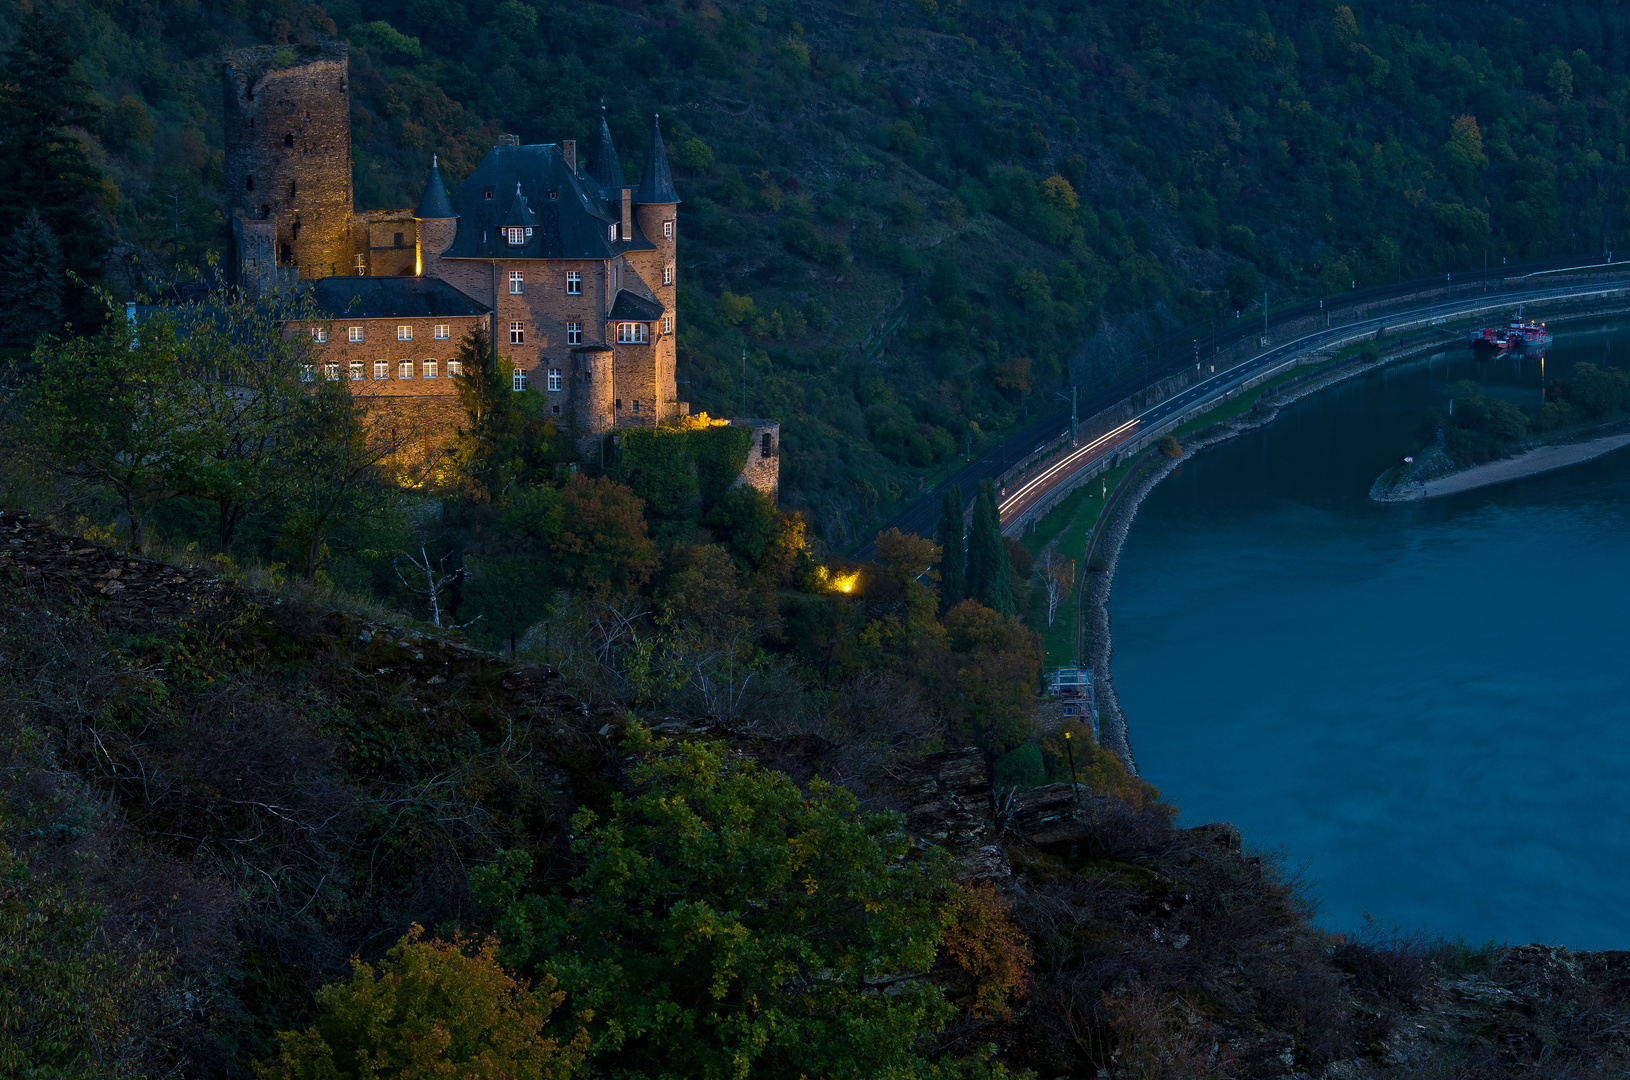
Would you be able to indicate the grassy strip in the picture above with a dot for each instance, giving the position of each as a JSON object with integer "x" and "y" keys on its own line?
{"x": 1235, "y": 406}
{"x": 1068, "y": 523}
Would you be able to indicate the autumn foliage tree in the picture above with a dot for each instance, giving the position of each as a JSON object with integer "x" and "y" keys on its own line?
{"x": 433, "y": 1009}
{"x": 593, "y": 530}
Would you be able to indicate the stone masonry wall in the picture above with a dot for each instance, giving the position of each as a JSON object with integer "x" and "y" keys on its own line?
{"x": 430, "y": 405}
{"x": 763, "y": 468}
{"x": 288, "y": 152}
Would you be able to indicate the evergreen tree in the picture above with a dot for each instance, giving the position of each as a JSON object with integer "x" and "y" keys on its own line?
{"x": 508, "y": 439}
{"x": 30, "y": 283}
{"x": 990, "y": 576}
{"x": 45, "y": 165}
{"x": 953, "y": 563}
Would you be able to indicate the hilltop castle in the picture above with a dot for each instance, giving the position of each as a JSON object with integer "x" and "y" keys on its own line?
{"x": 571, "y": 268}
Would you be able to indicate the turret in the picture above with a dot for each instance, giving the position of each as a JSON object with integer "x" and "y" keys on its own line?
{"x": 655, "y": 208}
{"x": 437, "y": 223}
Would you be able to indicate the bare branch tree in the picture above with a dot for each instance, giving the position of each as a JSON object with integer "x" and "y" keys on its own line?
{"x": 437, "y": 579}
{"x": 1056, "y": 576}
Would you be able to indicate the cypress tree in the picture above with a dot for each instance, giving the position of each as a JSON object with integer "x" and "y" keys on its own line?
{"x": 954, "y": 561}
{"x": 30, "y": 283}
{"x": 43, "y": 100}
{"x": 990, "y": 575}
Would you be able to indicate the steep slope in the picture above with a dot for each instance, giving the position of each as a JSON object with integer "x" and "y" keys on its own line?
{"x": 919, "y": 220}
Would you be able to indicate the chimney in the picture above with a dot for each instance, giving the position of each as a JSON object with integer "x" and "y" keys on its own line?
{"x": 568, "y": 150}
{"x": 628, "y": 213}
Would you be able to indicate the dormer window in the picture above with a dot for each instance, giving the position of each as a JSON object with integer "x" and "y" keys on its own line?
{"x": 633, "y": 332}
{"x": 516, "y": 236}
{"x": 488, "y": 195}
{"x": 554, "y": 193}
{"x": 611, "y": 234}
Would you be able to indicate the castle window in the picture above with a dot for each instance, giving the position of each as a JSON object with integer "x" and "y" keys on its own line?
{"x": 667, "y": 230}
{"x": 574, "y": 283}
{"x": 668, "y": 274}
{"x": 488, "y": 195}
{"x": 294, "y": 189}
{"x": 612, "y": 234}
{"x": 454, "y": 369}
{"x": 632, "y": 332}
{"x": 404, "y": 333}
{"x": 517, "y": 236}
{"x": 404, "y": 369}
{"x": 517, "y": 333}
{"x": 398, "y": 241}
{"x": 766, "y": 448}
{"x": 442, "y": 331}
{"x": 288, "y": 140}
{"x": 354, "y": 333}
{"x": 517, "y": 381}
{"x": 554, "y": 378}
{"x": 319, "y": 334}
{"x": 332, "y": 371}
{"x": 619, "y": 404}
{"x": 288, "y": 255}
{"x": 667, "y": 324}
{"x": 249, "y": 182}
{"x": 430, "y": 369}
{"x": 265, "y": 211}
{"x": 382, "y": 369}
{"x": 516, "y": 283}
{"x": 574, "y": 333}
{"x": 636, "y": 404}
{"x": 356, "y": 371}
{"x": 588, "y": 375}
{"x": 554, "y": 410}
{"x": 308, "y": 372}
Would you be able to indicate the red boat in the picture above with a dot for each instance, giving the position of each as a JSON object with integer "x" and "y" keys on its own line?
{"x": 1514, "y": 336}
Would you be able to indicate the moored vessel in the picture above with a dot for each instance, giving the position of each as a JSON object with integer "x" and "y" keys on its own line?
{"x": 1515, "y": 336}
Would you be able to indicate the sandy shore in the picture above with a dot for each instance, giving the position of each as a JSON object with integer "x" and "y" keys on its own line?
{"x": 1538, "y": 460}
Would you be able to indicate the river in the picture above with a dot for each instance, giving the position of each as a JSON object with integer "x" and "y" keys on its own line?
{"x": 1424, "y": 705}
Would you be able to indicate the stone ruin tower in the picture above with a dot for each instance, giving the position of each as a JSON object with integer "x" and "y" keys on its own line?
{"x": 288, "y": 162}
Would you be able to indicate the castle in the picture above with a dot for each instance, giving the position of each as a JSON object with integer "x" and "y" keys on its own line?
{"x": 569, "y": 267}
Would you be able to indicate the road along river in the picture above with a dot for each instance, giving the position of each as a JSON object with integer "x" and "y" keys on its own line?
{"x": 1424, "y": 703}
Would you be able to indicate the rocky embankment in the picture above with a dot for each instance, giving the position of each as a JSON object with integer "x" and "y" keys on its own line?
{"x": 1431, "y": 478}
{"x": 1407, "y": 481}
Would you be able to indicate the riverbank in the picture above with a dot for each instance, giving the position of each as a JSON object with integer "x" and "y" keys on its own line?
{"x": 1114, "y": 733}
{"x": 1541, "y": 459}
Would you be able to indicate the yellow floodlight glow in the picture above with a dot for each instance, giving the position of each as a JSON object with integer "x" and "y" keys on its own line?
{"x": 845, "y": 582}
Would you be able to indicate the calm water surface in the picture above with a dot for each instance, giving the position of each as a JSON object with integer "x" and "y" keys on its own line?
{"x": 1425, "y": 705}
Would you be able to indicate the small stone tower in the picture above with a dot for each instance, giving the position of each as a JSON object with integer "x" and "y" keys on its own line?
{"x": 436, "y": 223}
{"x": 656, "y": 206}
{"x": 288, "y": 160}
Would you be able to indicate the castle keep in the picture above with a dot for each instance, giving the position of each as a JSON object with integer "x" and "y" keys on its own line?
{"x": 571, "y": 269}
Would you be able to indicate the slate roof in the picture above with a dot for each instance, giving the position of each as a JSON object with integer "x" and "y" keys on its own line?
{"x": 434, "y": 203}
{"x": 390, "y": 297}
{"x": 572, "y": 215}
{"x": 657, "y": 185}
{"x": 631, "y": 307}
{"x": 603, "y": 164}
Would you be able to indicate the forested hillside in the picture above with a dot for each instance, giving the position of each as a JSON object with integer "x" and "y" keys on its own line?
{"x": 918, "y": 219}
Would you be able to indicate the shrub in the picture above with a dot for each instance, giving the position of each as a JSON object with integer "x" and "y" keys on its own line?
{"x": 1168, "y": 447}
{"x": 1021, "y": 767}
{"x": 432, "y": 1009}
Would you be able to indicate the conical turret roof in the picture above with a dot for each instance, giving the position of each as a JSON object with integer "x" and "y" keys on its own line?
{"x": 434, "y": 203}
{"x": 604, "y": 167}
{"x": 657, "y": 185}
